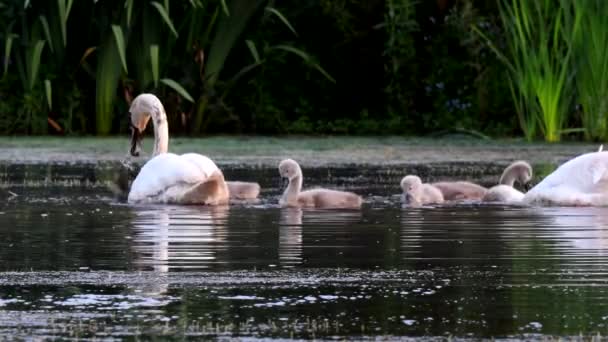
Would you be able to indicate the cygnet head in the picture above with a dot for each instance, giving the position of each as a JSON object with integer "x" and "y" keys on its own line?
{"x": 140, "y": 111}
{"x": 289, "y": 169}
{"x": 519, "y": 171}
{"x": 411, "y": 186}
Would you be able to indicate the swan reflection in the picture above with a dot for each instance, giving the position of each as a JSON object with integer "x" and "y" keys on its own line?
{"x": 581, "y": 228}
{"x": 290, "y": 237}
{"x": 179, "y": 237}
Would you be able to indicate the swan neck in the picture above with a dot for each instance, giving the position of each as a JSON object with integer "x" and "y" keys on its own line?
{"x": 161, "y": 131}
{"x": 507, "y": 179}
{"x": 293, "y": 190}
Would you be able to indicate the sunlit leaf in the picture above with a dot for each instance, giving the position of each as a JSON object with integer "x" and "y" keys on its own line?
{"x": 154, "y": 62}
{"x": 49, "y": 93}
{"x": 282, "y": 18}
{"x": 120, "y": 44}
{"x": 163, "y": 13}
{"x": 47, "y": 31}
{"x": 178, "y": 88}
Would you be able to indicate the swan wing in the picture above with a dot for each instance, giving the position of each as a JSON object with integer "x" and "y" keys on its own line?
{"x": 598, "y": 170}
{"x": 168, "y": 176}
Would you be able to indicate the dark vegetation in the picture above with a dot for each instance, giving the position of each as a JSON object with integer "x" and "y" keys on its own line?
{"x": 269, "y": 67}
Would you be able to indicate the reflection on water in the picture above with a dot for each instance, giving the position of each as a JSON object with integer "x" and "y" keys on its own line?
{"x": 290, "y": 237}
{"x": 167, "y": 238}
{"x": 258, "y": 270}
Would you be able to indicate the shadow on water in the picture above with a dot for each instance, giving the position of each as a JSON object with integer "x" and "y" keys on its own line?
{"x": 77, "y": 263}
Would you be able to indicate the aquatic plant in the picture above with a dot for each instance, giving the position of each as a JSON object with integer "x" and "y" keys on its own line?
{"x": 538, "y": 52}
{"x": 591, "y": 65}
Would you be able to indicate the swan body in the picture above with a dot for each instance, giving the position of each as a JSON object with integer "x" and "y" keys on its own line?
{"x": 416, "y": 193}
{"x": 146, "y": 107}
{"x": 180, "y": 179}
{"x": 582, "y": 181}
{"x": 519, "y": 171}
{"x": 315, "y": 198}
{"x": 460, "y": 190}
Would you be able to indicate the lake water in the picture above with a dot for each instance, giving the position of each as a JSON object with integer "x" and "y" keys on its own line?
{"x": 77, "y": 263}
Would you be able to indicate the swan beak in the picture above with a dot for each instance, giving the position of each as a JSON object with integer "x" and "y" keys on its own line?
{"x": 136, "y": 137}
{"x": 528, "y": 186}
{"x": 407, "y": 198}
{"x": 284, "y": 182}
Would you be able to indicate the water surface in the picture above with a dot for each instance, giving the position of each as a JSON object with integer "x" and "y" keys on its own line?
{"x": 75, "y": 262}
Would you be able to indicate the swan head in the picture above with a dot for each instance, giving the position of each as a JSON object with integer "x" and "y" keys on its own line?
{"x": 142, "y": 108}
{"x": 289, "y": 169}
{"x": 412, "y": 187}
{"x": 520, "y": 171}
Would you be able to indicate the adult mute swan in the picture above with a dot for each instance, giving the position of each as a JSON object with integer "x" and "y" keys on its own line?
{"x": 315, "y": 198}
{"x": 519, "y": 171}
{"x": 416, "y": 193}
{"x": 168, "y": 178}
{"x": 582, "y": 181}
{"x": 147, "y": 106}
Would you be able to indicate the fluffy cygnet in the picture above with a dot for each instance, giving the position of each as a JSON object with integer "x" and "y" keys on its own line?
{"x": 315, "y": 198}
{"x": 416, "y": 193}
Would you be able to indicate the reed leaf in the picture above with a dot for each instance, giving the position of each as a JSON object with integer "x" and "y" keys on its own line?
{"x": 225, "y": 7}
{"x": 154, "y": 64}
{"x": 306, "y": 58}
{"x": 65, "y": 6}
{"x": 590, "y": 50}
{"x": 178, "y": 88}
{"x": 108, "y": 74}
{"x": 537, "y": 56}
{"x": 129, "y": 8}
{"x": 48, "y": 90}
{"x": 8, "y": 45}
{"x": 282, "y": 18}
{"x": 33, "y": 63}
{"x": 119, "y": 38}
{"x": 253, "y": 50}
{"x": 229, "y": 28}
{"x": 165, "y": 16}
{"x": 47, "y": 31}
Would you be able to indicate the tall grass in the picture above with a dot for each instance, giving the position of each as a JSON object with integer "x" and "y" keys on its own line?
{"x": 591, "y": 63}
{"x": 538, "y": 52}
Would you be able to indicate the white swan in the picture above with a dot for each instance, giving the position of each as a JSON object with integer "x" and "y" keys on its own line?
{"x": 519, "y": 171}
{"x": 146, "y": 106}
{"x": 582, "y": 181}
{"x": 168, "y": 178}
{"x": 315, "y": 198}
{"x": 416, "y": 193}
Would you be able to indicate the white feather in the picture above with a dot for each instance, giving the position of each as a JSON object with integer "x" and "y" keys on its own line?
{"x": 580, "y": 181}
{"x": 166, "y": 177}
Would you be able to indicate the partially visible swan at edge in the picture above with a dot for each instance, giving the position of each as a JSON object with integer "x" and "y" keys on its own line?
{"x": 416, "y": 193}
{"x": 460, "y": 190}
{"x": 314, "y": 198}
{"x": 582, "y": 181}
{"x": 519, "y": 171}
{"x": 146, "y": 106}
